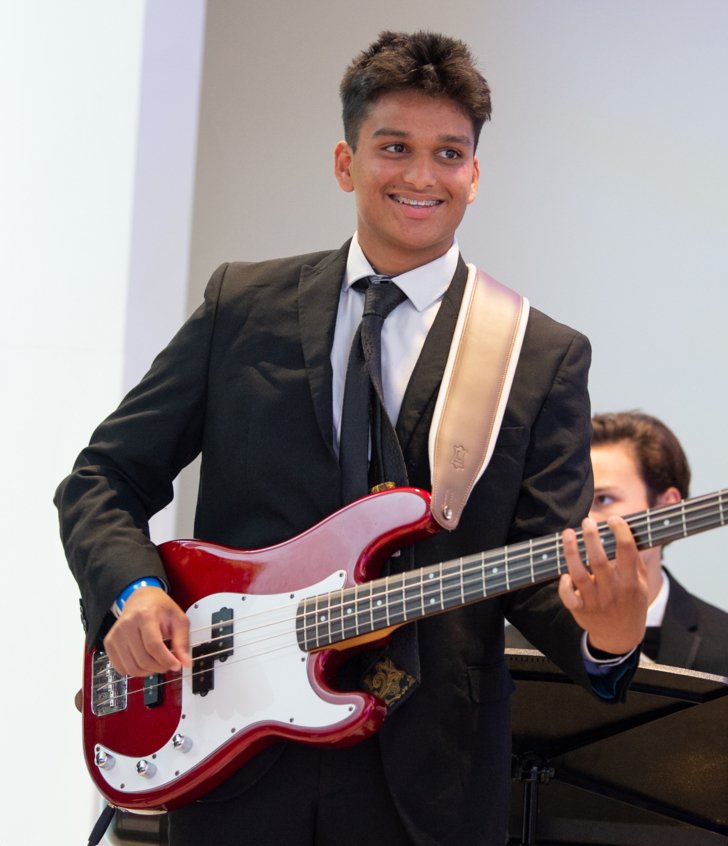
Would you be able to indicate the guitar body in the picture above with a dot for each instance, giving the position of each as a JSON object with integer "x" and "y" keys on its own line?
{"x": 269, "y": 628}
{"x": 160, "y": 742}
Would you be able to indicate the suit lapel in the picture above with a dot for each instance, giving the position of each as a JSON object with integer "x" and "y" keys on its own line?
{"x": 318, "y": 300}
{"x": 413, "y": 424}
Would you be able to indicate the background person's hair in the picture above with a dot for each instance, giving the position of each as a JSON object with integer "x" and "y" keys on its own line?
{"x": 431, "y": 64}
{"x": 661, "y": 460}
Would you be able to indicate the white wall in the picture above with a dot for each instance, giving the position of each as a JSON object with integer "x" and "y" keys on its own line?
{"x": 88, "y": 204}
{"x": 69, "y": 82}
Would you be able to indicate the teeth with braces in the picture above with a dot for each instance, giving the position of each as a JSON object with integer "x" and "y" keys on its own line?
{"x": 420, "y": 203}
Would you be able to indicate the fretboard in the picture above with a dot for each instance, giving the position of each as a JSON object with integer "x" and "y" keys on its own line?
{"x": 382, "y": 603}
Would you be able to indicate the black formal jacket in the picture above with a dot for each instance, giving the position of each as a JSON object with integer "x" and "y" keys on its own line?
{"x": 694, "y": 634}
{"x": 247, "y": 382}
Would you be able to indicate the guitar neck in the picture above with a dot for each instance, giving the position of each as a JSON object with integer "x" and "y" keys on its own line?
{"x": 388, "y": 602}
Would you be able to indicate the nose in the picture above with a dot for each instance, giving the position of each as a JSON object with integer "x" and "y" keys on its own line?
{"x": 419, "y": 172}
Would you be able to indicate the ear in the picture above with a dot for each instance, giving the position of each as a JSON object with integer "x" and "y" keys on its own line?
{"x": 668, "y": 497}
{"x": 476, "y": 180}
{"x": 343, "y": 161}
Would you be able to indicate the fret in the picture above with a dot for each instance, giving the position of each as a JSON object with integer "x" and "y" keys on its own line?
{"x": 484, "y": 590}
{"x": 382, "y": 603}
{"x": 412, "y": 601}
{"x": 430, "y": 591}
{"x": 398, "y": 606}
{"x": 303, "y": 624}
{"x": 327, "y": 620}
{"x": 350, "y": 616}
{"x": 316, "y": 627}
{"x": 530, "y": 559}
{"x": 667, "y": 526}
{"x": 650, "y": 542}
{"x": 451, "y": 585}
{"x": 367, "y": 610}
{"x": 323, "y": 620}
{"x": 379, "y": 606}
{"x": 386, "y": 604}
{"x": 311, "y": 627}
{"x": 494, "y": 577}
{"x": 539, "y": 560}
{"x": 336, "y": 617}
{"x": 557, "y": 546}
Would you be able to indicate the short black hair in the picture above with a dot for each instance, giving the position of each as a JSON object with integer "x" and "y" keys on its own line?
{"x": 432, "y": 64}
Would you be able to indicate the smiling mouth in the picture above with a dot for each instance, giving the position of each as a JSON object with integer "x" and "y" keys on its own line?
{"x": 418, "y": 204}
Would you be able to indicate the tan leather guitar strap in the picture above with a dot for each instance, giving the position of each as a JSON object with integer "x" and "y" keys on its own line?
{"x": 474, "y": 391}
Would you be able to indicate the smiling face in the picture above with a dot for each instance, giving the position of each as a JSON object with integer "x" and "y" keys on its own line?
{"x": 414, "y": 172}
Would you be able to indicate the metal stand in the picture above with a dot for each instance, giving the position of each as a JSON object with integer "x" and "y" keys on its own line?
{"x": 653, "y": 770}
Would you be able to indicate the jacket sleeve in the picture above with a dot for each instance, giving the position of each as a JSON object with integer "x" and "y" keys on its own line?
{"x": 556, "y": 492}
{"x": 125, "y": 474}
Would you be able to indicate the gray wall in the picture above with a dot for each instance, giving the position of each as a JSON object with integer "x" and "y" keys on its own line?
{"x": 604, "y": 192}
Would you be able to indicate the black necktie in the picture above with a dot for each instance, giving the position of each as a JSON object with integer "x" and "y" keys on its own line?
{"x": 363, "y": 414}
{"x": 394, "y": 673}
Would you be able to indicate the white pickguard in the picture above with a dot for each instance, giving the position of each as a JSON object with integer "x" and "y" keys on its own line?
{"x": 265, "y": 680}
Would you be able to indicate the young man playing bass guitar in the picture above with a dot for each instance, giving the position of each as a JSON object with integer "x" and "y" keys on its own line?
{"x": 255, "y": 383}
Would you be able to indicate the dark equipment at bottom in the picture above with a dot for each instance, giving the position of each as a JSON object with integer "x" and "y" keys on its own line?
{"x": 652, "y": 770}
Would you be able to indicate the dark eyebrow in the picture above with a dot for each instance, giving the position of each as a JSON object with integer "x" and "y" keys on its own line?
{"x": 390, "y": 133}
{"x": 463, "y": 140}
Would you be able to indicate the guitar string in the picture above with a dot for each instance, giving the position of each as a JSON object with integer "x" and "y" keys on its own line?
{"x": 104, "y": 683}
{"x": 545, "y": 545}
{"x": 406, "y": 582}
{"x": 358, "y": 593}
{"x": 447, "y": 593}
{"x": 418, "y": 582}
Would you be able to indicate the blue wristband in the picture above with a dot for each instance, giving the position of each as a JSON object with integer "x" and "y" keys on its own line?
{"x": 149, "y": 581}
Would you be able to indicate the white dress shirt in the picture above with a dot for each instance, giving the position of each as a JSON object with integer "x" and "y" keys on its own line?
{"x": 404, "y": 331}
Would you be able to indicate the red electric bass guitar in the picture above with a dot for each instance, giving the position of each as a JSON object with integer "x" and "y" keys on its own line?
{"x": 269, "y": 627}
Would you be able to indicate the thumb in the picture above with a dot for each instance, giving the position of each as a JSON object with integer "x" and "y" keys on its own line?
{"x": 180, "y": 638}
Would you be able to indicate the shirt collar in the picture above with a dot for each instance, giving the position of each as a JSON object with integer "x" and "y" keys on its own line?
{"x": 423, "y": 285}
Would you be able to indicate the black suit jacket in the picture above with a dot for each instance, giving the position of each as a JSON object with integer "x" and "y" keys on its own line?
{"x": 694, "y": 634}
{"x": 247, "y": 382}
